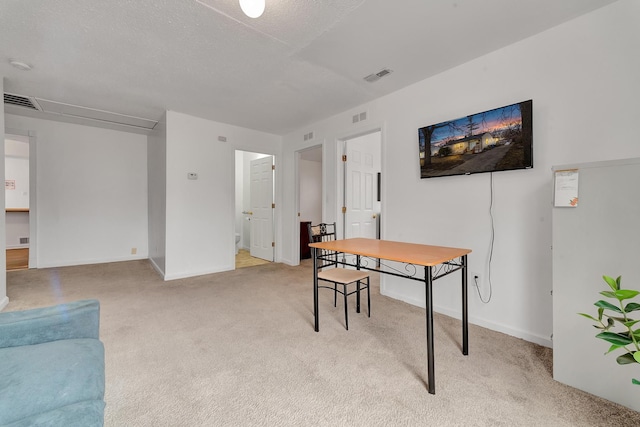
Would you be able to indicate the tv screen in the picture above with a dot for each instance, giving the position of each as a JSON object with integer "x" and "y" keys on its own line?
{"x": 495, "y": 140}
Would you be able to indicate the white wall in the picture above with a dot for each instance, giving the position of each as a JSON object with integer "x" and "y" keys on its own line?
{"x": 582, "y": 77}
{"x": 157, "y": 194}
{"x": 201, "y": 213}
{"x": 3, "y": 255}
{"x": 91, "y": 192}
{"x": 17, "y": 226}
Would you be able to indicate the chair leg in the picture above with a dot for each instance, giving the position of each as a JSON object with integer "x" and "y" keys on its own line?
{"x": 358, "y": 297}
{"x": 346, "y": 315}
{"x": 335, "y": 294}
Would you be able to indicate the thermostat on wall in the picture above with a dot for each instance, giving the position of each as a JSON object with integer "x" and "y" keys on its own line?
{"x": 192, "y": 175}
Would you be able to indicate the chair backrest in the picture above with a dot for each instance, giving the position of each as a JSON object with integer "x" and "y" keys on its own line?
{"x": 323, "y": 232}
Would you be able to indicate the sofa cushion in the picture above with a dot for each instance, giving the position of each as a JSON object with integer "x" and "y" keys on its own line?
{"x": 78, "y": 319}
{"x": 35, "y": 379}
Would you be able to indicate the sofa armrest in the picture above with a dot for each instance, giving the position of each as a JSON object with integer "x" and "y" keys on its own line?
{"x": 78, "y": 319}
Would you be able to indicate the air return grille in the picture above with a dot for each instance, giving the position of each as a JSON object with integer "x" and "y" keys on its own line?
{"x": 21, "y": 101}
{"x": 377, "y": 76}
{"x": 78, "y": 112}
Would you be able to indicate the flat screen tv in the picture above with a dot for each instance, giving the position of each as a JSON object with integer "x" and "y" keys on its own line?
{"x": 495, "y": 140}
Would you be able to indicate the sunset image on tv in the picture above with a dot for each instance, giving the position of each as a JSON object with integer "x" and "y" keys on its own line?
{"x": 494, "y": 140}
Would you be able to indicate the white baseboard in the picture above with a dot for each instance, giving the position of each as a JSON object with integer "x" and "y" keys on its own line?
{"x": 498, "y": 327}
{"x": 69, "y": 263}
{"x": 197, "y": 273}
{"x": 156, "y": 267}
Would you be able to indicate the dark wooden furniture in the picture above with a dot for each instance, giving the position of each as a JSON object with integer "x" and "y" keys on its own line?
{"x": 305, "y": 251}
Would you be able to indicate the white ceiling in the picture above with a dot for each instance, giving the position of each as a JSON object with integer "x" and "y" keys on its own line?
{"x": 302, "y": 61}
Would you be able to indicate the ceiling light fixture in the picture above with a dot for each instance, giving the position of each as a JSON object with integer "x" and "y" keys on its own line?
{"x": 252, "y": 8}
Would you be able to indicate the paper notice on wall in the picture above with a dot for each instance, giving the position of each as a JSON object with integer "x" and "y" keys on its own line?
{"x": 566, "y": 188}
{"x": 9, "y": 184}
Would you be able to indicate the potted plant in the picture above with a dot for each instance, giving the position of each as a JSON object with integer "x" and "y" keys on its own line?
{"x": 615, "y": 325}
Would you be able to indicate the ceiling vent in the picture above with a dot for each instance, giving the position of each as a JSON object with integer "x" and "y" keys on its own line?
{"x": 21, "y": 101}
{"x": 377, "y": 76}
{"x": 78, "y": 112}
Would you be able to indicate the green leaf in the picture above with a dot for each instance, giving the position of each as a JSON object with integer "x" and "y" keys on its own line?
{"x": 630, "y": 323}
{"x": 623, "y": 294}
{"x": 600, "y": 312}
{"x": 635, "y": 381}
{"x": 636, "y": 356}
{"x": 613, "y": 338}
{"x": 589, "y": 317}
{"x": 632, "y": 306}
{"x": 607, "y": 306}
{"x": 613, "y": 348}
{"x": 608, "y": 294}
{"x": 625, "y": 359}
{"x": 613, "y": 284}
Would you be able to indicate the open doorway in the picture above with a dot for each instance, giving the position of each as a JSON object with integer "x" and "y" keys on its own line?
{"x": 309, "y": 167}
{"x": 254, "y": 209}
{"x": 17, "y": 220}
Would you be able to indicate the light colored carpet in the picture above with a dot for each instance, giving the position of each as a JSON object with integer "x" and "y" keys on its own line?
{"x": 238, "y": 348}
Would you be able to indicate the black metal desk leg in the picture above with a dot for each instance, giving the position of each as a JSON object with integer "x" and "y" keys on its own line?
{"x": 315, "y": 289}
{"x": 428, "y": 281}
{"x": 465, "y": 308}
{"x": 358, "y": 292}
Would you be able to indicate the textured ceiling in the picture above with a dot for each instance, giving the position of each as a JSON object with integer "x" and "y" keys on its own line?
{"x": 300, "y": 62}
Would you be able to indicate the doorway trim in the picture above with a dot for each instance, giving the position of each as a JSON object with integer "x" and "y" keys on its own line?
{"x": 297, "y": 156}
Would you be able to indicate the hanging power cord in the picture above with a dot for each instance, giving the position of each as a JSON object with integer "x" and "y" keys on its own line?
{"x": 491, "y": 240}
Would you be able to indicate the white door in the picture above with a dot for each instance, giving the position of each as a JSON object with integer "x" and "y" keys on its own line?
{"x": 261, "y": 189}
{"x": 361, "y": 188}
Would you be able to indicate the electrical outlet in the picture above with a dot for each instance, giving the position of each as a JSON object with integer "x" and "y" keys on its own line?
{"x": 474, "y": 277}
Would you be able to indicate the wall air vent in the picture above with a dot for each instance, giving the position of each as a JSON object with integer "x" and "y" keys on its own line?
{"x": 377, "y": 76}
{"x": 21, "y": 101}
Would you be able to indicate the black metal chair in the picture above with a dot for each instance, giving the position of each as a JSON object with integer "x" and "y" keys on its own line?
{"x": 329, "y": 271}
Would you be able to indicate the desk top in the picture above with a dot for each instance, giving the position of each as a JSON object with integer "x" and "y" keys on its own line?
{"x": 411, "y": 253}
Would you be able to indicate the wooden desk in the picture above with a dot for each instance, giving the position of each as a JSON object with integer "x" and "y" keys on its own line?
{"x": 440, "y": 258}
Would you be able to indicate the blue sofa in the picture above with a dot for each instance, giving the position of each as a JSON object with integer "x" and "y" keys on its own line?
{"x": 52, "y": 366}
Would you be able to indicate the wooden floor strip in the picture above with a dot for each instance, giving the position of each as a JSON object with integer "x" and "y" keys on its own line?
{"x": 244, "y": 259}
{"x": 17, "y": 259}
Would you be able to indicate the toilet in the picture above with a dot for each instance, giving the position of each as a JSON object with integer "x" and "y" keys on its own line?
{"x": 237, "y": 241}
